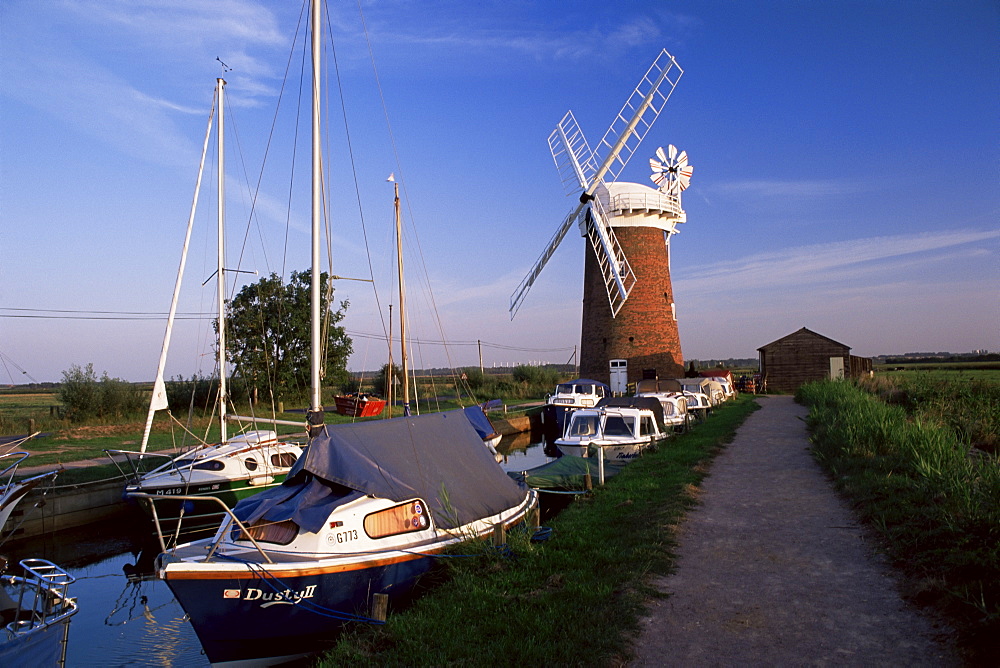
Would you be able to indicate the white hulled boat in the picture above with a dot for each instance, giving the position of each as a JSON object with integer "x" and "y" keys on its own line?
{"x": 618, "y": 429}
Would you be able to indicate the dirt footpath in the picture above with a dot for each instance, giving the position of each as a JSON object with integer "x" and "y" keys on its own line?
{"x": 774, "y": 570}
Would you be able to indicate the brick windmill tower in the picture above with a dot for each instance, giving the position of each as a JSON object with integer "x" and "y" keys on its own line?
{"x": 629, "y": 325}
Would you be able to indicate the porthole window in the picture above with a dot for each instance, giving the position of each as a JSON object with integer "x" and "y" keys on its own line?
{"x": 250, "y": 463}
{"x": 283, "y": 460}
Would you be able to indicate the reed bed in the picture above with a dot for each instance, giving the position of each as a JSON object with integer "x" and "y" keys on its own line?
{"x": 908, "y": 455}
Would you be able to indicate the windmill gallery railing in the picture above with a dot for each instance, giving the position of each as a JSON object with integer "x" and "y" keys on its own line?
{"x": 653, "y": 201}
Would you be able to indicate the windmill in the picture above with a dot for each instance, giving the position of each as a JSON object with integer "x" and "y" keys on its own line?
{"x": 628, "y": 313}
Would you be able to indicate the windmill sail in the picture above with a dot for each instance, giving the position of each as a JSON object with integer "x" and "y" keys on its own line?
{"x": 637, "y": 115}
{"x": 572, "y": 155}
{"x": 581, "y": 168}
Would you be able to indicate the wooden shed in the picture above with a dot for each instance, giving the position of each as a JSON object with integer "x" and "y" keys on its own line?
{"x": 805, "y": 356}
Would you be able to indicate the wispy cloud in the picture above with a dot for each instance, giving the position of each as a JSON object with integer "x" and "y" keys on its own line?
{"x": 819, "y": 263}
{"x": 181, "y": 23}
{"x": 787, "y": 188}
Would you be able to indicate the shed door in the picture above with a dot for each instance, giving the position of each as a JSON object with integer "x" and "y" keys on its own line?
{"x": 836, "y": 368}
{"x": 619, "y": 376}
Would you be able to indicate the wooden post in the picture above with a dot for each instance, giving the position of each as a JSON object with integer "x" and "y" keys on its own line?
{"x": 499, "y": 535}
{"x": 588, "y": 483}
{"x": 380, "y": 606}
{"x": 281, "y": 406}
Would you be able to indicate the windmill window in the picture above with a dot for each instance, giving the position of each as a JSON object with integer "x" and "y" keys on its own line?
{"x": 631, "y": 339}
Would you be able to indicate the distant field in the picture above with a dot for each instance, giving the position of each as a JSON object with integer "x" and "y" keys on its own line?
{"x": 17, "y": 409}
{"x": 984, "y": 371}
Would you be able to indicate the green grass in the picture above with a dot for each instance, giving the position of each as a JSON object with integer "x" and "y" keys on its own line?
{"x": 933, "y": 498}
{"x": 575, "y": 599}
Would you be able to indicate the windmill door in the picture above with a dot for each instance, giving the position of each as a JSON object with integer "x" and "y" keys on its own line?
{"x": 836, "y": 368}
{"x": 619, "y": 376}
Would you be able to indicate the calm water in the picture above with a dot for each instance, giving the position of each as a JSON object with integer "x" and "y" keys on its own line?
{"x": 135, "y": 621}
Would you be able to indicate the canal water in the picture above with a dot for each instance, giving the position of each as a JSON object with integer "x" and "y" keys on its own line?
{"x": 129, "y": 618}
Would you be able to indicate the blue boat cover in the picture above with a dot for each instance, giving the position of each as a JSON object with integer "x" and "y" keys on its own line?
{"x": 437, "y": 457}
{"x": 480, "y": 422}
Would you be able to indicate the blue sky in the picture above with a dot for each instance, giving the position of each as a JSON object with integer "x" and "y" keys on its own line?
{"x": 846, "y": 171}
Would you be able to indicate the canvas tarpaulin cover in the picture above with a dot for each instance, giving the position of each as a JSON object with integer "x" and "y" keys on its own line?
{"x": 437, "y": 457}
{"x": 649, "y": 403}
{"x": 566, "y": 473}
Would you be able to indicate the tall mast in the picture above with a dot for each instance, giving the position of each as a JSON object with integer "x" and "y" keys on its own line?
{"x": 159, "y": 398}
{"x": 402, "y": 310}
{"x": 389, "y": 377}
{"x": 315, "y": 417}
{"x": 220, "y": 275}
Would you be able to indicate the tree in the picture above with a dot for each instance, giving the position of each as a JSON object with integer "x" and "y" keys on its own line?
{"x": 268, "y": 331}
{"x": 85, "y": 397}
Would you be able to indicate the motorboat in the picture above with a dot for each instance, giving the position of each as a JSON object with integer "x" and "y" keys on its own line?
{"x": 618, "y": 429}
{"x": 568, "y": 397}
{"x": 668, "y": 393}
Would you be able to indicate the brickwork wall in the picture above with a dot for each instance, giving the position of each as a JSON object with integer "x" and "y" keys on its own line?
{"x": 644, "y": 332}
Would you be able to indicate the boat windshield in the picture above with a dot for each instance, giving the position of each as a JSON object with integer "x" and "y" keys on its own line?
{"x": 583, "y": 425}
{"x": 616, "y": 425}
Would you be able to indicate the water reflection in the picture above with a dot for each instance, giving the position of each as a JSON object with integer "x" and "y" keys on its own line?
{"x": 521, "y": 453}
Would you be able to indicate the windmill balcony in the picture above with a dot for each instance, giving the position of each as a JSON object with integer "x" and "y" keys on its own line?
{"x": 646, "y": 202}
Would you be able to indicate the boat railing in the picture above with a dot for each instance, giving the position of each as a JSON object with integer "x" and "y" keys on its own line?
{"x": 11, "y": 469}
{"x": 220, "y": 534}
{"x": 42, "y": 597}
{"x": 133, "y": 465}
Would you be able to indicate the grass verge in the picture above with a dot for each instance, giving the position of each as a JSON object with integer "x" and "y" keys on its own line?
{"x": 575, "y": 599}
{"x": 933, "y": 500}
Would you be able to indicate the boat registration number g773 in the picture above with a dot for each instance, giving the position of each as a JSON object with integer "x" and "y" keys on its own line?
{"x": 347, "y": 536}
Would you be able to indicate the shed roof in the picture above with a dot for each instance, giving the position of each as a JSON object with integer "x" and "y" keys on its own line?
{"x": 807, "y": 332}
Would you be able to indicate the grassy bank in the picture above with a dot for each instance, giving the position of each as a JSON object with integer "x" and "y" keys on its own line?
{"x": 914, "y": 474}
{"x": 573, "y": 599}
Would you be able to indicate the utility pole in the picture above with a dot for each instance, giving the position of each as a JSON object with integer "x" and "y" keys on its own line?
{"x": 480, "y": 344}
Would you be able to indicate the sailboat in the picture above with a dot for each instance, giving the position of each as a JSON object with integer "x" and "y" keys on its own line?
{"x": 364, "y": 511}
{"x": 236, "y": 466}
